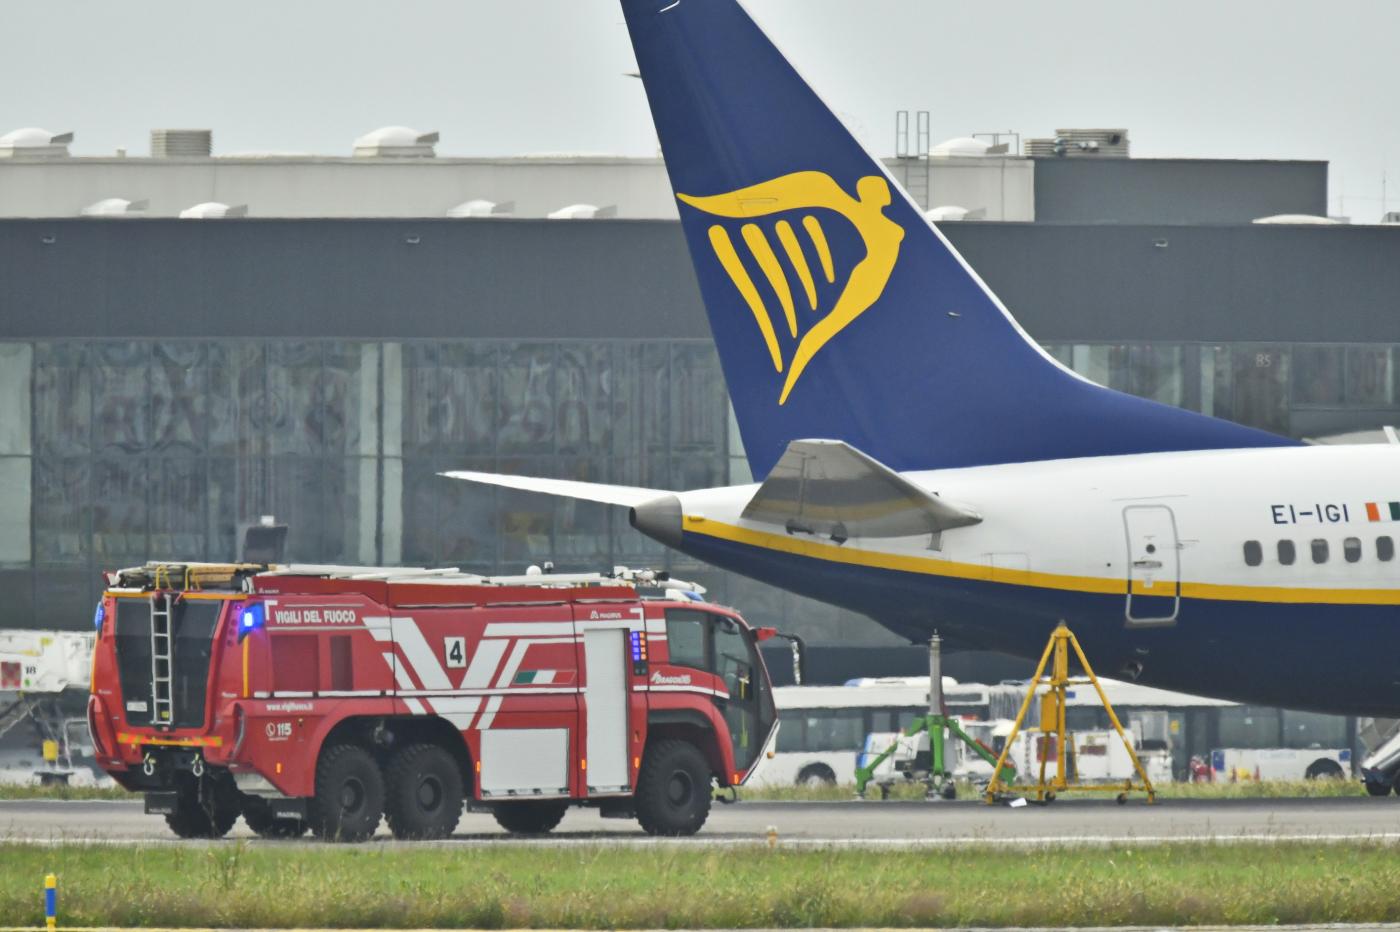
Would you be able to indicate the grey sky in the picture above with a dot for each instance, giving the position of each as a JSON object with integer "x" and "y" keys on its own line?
{"x": 1203, "y": 78}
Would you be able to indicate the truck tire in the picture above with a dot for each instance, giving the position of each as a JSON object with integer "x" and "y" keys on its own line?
{"x": 529, "y": 818}
{"x": 349, "y": 794}
{"x": 673, "y": 789}
{"x": 1376, "y": 785}
{"x": 260, "y": 820}
{"x": 423, "y": 792}
{"x": 210, "y": 817}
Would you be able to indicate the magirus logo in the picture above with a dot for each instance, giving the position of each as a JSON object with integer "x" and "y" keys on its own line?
{"x": 682, "y": 679}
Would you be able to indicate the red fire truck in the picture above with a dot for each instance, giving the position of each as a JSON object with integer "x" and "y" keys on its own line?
{"x": 328, "y": 697}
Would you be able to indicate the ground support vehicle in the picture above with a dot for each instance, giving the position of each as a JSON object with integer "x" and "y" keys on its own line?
{"x": 328, "y": 697}
{"x": 939, "y": 736}
{"x": 1229, "y": 765}
{"x": 41, "y": 672}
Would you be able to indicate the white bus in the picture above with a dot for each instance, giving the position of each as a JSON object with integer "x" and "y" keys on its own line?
{"x": 823, "y": 729}
{"x": 1227, "y": 740}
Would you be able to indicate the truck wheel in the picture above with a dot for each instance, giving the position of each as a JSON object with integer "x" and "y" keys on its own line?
{"x": 210, "y": 817}
{"x": 529, "y": 818}
{"x": 816, "y": 775}
{"x": 260, "y": 820}
{"x": 349, "y": 794}
{"x": 673, "y": 789}
{"x": 1376, "y": 787}
{"x": 423, "y": 792}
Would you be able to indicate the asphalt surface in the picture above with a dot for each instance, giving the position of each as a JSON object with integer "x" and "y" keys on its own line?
{"x": 874, "y": 824}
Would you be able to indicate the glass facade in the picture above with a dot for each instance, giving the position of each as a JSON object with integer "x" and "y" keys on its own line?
{"x": 115, "y": 452}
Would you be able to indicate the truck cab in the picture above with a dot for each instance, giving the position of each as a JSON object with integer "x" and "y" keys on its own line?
{"x": 328, "y": 698}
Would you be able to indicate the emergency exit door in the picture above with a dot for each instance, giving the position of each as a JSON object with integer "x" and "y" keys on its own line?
{"x": 1154, "y": 568}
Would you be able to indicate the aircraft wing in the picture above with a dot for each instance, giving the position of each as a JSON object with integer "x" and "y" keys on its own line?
{"x": 829, "y": 487}
{"x": 626, "y": 495}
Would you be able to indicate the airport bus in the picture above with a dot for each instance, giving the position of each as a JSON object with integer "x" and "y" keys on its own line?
{"x": 823, "y": 729}
{"x": 1226, "y": 740}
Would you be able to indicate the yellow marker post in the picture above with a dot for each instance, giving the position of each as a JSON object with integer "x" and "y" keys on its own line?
{"x": 51, "y": 902}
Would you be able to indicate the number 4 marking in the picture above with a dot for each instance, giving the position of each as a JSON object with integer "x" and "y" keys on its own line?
{"x": 456, "y": 650}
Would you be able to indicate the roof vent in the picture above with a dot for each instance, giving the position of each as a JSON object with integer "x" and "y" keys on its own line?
{"x": 213, "y": 210}
{"x": 31, "y": 142}
{"x": 396, "y": 142}
{"x": 952, "y": 212}
{"x": 962, "y": 147}
{"x": 1078, "y": 143}
{"x": 182, "y": 143}
{"x": 583, "y": 212}
{"x": 1299, "y": 220}
{"x": 482, "y": 208}
{"x": 114, "y": 207}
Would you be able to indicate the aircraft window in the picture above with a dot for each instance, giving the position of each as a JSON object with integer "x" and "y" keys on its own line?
{"x": 1385, "y": 549}
{"x": 1319, "y": 550}
{"x": 1351, "y": 549}
{"x": 1253, "y": 553}
{"x": 1287, "y": 553}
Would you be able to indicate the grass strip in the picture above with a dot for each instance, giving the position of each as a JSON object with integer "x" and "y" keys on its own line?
{"x": 1264, "y": 789}
{"x": 269, "y": 886}
{"x": 34, "y": 791}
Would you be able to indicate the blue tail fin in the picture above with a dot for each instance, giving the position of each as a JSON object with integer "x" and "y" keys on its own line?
{"x": 839, "y": 311}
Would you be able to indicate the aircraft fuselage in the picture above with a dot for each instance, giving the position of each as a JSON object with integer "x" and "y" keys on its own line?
{"x": 1172, "y": 568}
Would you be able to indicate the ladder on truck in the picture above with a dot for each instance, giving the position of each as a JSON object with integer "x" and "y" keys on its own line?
{"x": 162, "y": 705}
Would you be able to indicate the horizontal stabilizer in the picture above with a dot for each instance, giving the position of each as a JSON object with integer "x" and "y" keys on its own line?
{"x": 829, "y": 487}
{"x": 626, "y": 495}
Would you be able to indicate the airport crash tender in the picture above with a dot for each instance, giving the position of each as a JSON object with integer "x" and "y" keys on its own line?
{"x": 322, "y": 698}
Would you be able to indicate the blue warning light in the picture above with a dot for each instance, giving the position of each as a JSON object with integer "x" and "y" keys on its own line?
{"x": 251, "y": 618}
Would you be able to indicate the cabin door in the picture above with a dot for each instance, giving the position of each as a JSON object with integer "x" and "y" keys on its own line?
{"x": 1154, "y": 569}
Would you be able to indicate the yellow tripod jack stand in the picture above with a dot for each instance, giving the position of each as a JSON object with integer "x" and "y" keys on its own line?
{"x": 1052, "y": 722}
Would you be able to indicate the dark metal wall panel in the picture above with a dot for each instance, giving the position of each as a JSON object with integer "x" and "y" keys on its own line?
{"x": 393, "y": 279}
{"x": 1198, "y": 284}
{"x": 346, "y": 278}
{"x": 1094, "y": 190}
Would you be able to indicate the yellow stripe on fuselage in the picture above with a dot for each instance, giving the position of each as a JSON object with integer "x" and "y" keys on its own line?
{"x": 928, "y": 566}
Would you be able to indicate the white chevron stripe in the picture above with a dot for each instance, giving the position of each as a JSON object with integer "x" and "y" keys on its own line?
{"x": 420, "y": 656}
{"x": 487, "y": 717}
{"x": 484, "y": 663}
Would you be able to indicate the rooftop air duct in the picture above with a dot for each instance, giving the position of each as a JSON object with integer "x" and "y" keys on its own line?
{"x": 182, "y": 143}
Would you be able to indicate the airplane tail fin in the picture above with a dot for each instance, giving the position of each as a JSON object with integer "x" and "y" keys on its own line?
{"x": 839, "y": 311}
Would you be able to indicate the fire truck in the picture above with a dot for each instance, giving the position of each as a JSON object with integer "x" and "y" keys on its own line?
{"x": 327, "y": 697}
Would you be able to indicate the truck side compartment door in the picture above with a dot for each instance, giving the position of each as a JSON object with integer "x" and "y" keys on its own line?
{"x": 604, "y": 634}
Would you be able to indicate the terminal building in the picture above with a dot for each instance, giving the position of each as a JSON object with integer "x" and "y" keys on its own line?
{"x": 190, "y": 341}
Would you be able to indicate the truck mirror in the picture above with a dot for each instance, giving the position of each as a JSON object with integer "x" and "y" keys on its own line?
{"x": 799, "y": 654}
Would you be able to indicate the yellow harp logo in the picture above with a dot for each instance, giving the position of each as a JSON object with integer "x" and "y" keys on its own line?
{"x": 805, "y": 192}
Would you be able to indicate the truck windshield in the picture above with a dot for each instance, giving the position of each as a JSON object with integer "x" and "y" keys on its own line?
{"x": 723, "y": 646}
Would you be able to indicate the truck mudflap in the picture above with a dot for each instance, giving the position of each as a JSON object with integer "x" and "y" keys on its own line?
{"x": 162, "y": 802}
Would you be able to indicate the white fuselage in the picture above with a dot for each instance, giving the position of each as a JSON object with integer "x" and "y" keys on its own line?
{"x": 1169, "y": 564}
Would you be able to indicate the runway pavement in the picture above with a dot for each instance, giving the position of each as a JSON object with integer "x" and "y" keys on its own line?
{"x": 874, "y": 824}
